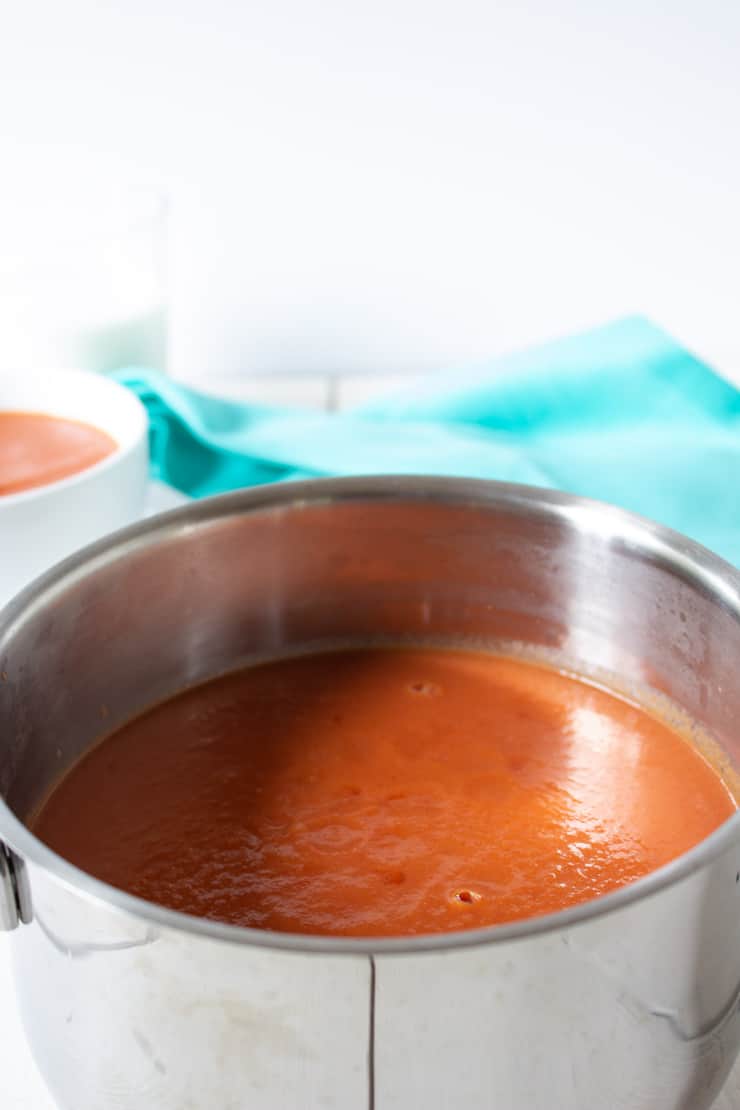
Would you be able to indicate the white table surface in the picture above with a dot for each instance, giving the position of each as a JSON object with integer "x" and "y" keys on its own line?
{"x": 21, "y": 1087}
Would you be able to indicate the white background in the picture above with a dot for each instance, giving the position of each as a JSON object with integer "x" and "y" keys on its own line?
{"x": 397, "y": 185}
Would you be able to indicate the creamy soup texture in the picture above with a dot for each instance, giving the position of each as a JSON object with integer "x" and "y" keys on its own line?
{"x": 384, "y": 792}
{"x": 36, "y": 449}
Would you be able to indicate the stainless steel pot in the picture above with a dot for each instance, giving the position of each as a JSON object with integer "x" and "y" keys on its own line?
{"x": 628, "y": 1003}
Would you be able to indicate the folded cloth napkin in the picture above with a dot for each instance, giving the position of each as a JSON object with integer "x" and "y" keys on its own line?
{"x": 621, "y": 413}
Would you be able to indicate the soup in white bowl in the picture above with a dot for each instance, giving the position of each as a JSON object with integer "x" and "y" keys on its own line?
{"x": 73, "y": 467}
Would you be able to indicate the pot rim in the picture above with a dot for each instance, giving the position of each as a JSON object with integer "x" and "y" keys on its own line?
{"x": 690, "y": 560}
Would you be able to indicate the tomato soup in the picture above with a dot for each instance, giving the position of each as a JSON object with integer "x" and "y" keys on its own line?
{"x": 36, "y": 449}
{"x": 384, "y": 792}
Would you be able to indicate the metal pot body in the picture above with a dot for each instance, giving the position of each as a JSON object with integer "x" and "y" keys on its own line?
{"x": 630, "y": 1002}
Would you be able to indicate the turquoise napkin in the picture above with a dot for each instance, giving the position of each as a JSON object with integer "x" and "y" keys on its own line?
{"x": 621, "y": 413}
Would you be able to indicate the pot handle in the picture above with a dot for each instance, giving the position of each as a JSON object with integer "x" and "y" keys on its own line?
{"x": 13, "y": 908}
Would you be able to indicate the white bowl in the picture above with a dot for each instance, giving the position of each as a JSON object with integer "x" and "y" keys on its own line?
{"x": 42, "y": 525}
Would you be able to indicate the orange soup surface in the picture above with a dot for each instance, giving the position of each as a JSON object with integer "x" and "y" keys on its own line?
{"x": 36, "y": 449}
{"x": 384, "y": 792}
